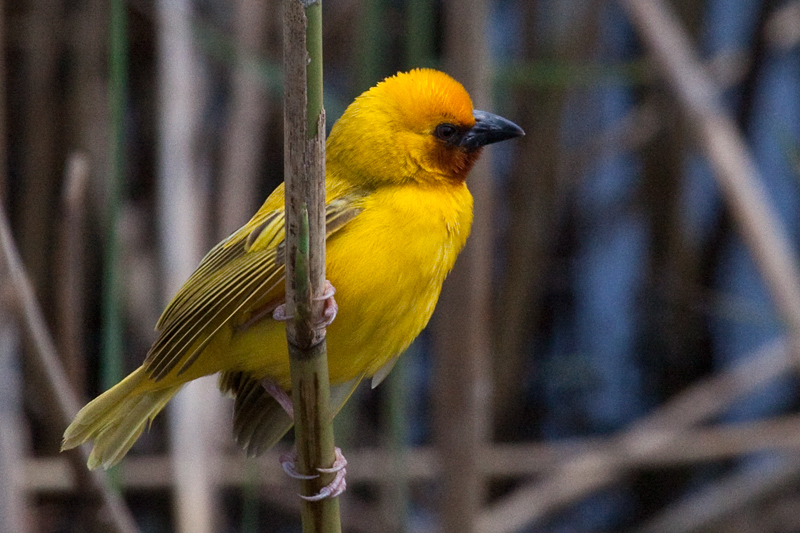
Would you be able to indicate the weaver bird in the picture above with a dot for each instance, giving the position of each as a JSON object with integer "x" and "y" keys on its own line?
{"x": 398, "y": 213}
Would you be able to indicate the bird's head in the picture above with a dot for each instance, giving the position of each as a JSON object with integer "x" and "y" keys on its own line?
{"x": 414, "y": 126}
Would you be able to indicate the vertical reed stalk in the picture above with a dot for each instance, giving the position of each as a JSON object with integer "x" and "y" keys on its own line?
{"x": 304, "y": 169}
{"x": 112, "y": 320}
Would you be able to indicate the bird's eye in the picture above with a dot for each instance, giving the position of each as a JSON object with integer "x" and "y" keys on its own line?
{"x": 445, "y": 132}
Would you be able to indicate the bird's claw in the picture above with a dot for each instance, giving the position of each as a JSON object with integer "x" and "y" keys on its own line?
{"x": 330, "y": 307}
{"x": 280, "y": 315}
{"x": 289, "y": 464}
{"x": 339, "y": 463}
{"x": 329, "y": 310}
{"x": 332, "y": 489}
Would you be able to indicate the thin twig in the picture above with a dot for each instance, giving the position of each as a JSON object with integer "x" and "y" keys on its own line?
{"x": 734, "y": 493}
{"x": 726, "y": 150}
{"x": 46, "y": 362}
{"x": 695, "y": 446}
{"x": 590, "y": 470}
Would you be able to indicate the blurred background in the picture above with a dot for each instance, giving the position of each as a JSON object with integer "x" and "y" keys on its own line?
{"x": 606, "y": 357}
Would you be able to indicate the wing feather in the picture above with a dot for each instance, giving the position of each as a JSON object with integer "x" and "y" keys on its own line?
{"x": 197, "y": 330}
{"x": 218, "y": 257}
{"x": 266, "y": 287}
{"x": 237, "y": 277}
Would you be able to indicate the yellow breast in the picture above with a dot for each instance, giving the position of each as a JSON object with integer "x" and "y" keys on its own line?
{"x": 388, "y": 266}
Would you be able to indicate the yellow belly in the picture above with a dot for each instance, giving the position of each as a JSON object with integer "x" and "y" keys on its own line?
{"x": 387, "y": 266}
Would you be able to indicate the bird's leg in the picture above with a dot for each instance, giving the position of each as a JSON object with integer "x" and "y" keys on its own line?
{"x": 289, "y": 460}
{"x": 279, "y": 395}
{"x": 328, "y": 311}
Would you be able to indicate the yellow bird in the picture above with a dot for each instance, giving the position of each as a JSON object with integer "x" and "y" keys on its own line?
{"x": 398, "y": 212}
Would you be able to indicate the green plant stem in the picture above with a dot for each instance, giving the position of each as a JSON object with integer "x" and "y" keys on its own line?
{"x": 112, "y": 305}
{"x": 305, "y": 260}
{"x": 314, "y": 70}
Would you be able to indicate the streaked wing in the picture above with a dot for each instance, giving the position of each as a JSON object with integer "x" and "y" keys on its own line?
{"x": 240, "y": 275}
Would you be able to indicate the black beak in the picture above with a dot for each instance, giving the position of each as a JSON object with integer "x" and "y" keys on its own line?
{"x": 488, "y": 129}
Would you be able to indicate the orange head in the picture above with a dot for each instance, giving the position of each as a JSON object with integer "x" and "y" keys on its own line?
{"x": 414, "y": 126}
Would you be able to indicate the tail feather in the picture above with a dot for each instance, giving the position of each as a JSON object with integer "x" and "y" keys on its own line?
{"x": 259, "y": 421}
{"x": 116, "y": 418}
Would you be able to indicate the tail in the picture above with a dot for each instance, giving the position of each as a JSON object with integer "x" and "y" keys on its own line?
{"x": 116, "y": 418}
{"x": 259, "y": 421}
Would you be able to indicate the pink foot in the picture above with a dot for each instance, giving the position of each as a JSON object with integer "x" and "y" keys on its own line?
{"x": 280, "y": 315}
{"x": 279, "y": 395}
{"x": 331, "y": 490}
{"x": 331, "y": 307}
{"x": 328, "y": 311}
